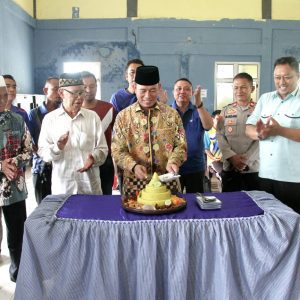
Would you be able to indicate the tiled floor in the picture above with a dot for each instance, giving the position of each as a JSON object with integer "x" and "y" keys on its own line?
{"x": 7, "y": 287}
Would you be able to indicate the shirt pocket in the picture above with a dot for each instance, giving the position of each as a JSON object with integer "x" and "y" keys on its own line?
{"x": 291, "y": 120}
{"x": 230, "y": 125}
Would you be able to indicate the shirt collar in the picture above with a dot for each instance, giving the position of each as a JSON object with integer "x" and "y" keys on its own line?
{"x": 43, "y": 108}
{"x": 61, "y": 111}
{"x": 190, "y": 106}
{"x": 292, "y": 94}
{"x": 139, "y": 108}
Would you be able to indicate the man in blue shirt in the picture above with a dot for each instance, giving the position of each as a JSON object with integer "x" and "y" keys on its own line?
{"x": 41, "y": 171}
{"x": 195, "y": 120}
{"x": 275, "y": 122}
{"x": 126, "y": 96}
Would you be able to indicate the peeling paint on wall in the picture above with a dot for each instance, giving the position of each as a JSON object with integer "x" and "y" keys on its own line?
{"x": 113, "y": 57}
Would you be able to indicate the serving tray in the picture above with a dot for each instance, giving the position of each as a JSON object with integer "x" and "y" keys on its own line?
{"x": 131, "y": 205}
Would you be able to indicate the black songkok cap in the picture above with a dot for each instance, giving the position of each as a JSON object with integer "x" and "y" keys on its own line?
{"x": 70, "y": 79}
{"x": 147, "y": 75}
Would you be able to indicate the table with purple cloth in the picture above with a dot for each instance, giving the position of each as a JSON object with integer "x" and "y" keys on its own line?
{"x": 89, "y": 247}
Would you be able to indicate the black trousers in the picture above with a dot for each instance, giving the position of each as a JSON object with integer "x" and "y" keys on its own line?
{"x": 192, "y": 182}
{"x": 14, "y": 216}
{"x": 42, "y": 184}
{"x": 287, "y": 192}
{"x": 233, "y": 181}
{"x": 107, "y": 173}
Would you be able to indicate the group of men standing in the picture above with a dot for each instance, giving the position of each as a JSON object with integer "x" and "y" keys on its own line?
{"x": 259, "y": 141}
{"x": 76, "y": 138}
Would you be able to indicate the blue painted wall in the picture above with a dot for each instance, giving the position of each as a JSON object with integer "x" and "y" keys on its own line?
{"x": 16, "y": 45}
{"x": 179, "y": 47}
{"x": 33, "y": 50}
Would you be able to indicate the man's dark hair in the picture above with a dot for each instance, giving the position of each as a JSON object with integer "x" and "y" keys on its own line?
{"x": 183, "y": 79}
{"x": 85, "y": 74}
{"x": 8, "y": 76}
{"x": 51, "y": 78}
{"x": 288, "y": 60}
{"x": 134, "y": 61}
{"x": 216, "y": 112}
{"x": 244, "y": 75}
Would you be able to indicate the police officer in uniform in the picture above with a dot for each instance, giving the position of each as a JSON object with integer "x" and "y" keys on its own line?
{"x": 240, "y": 153}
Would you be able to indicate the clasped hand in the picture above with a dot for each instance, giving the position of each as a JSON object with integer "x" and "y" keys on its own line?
{"x": 239, "y": 162}
{"x": 61, "y": 143}
{"x": 10, "y": 169}
{"x": 270, "y": 128}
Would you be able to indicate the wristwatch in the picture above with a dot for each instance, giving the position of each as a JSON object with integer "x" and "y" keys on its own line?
{"x": 200, "y": 105}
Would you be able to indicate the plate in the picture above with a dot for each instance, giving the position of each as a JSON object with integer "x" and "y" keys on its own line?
{"x": 159, "y": 211}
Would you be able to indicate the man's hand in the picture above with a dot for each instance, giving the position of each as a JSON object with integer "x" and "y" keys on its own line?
{"x": 162, "y": 95}
{"x": 62, "y": 141}
{"x": 35, "y": 148}
{"x": 197, "y": 95}
{"x": 238, "y": 161}
{"x": 87, "y": 164}
{"x": 271, "y": 128}
{"x": 217, "y": 158}
{"x": 140, "y": 172}
{"x": 9, "y": 169}
{"x": 172, "y": 168}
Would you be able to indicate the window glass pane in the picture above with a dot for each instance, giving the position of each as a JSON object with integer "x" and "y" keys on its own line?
{"x": 224, "y": 94}
{"x": 224, "y": 71}
{"x": 254, "y": 95}
{"x": 224, "y": 76}
{"x": 250, "y": 69}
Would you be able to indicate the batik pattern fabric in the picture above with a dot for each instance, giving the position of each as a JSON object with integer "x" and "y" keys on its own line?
{"x": 15, "y": 144}
{"x": 150, "y": 138}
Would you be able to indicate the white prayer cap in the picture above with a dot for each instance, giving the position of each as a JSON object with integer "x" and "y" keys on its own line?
{"x": 2, "y": 81}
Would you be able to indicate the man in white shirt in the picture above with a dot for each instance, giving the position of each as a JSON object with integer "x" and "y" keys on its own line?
{"x": 73, "y": 139}
{"x": 275, "y": 122}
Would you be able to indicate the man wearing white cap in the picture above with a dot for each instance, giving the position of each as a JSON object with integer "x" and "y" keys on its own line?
{"x": 72, "y": 138}
{"x": 15, "y": 151}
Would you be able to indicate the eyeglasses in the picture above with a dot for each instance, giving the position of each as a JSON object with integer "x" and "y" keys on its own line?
{"x": 75, "y": 94}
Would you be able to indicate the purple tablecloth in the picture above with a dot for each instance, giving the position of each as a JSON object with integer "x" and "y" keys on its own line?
{"x": 93, "y": 207}
{"x": 104, "y": 252}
